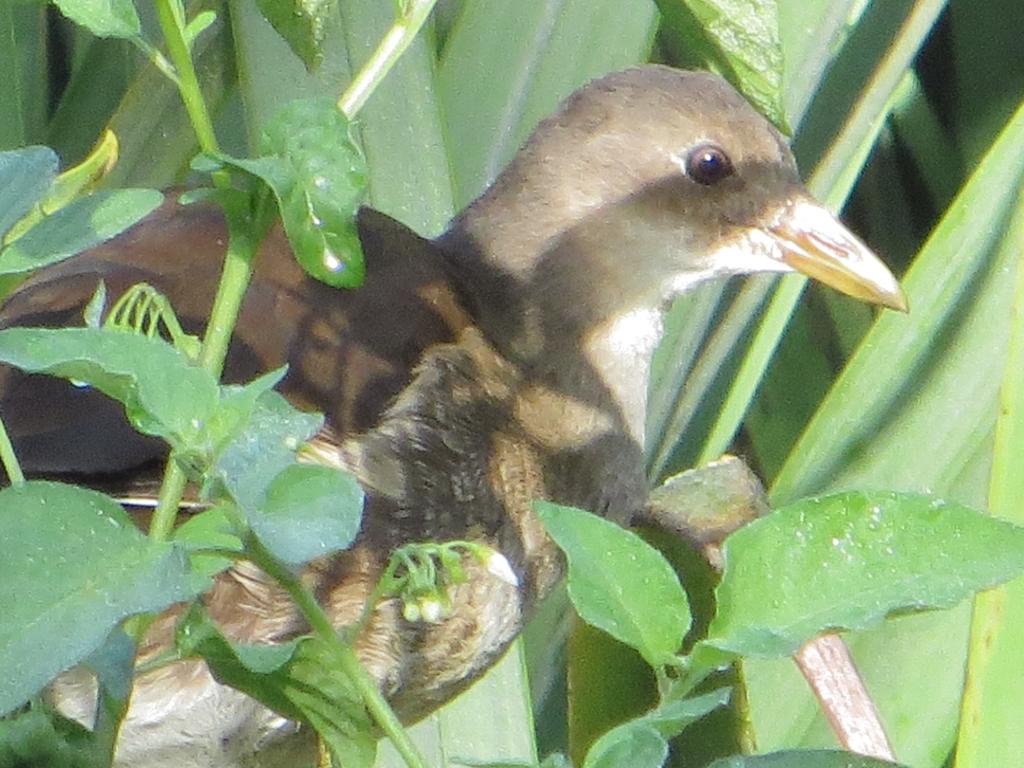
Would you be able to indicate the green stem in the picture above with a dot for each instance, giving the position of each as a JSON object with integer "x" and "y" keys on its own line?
{"x": 237, "y": 261}
{"x": 234, "y": 279}
{"x": 173, "y": 29}
{"x": 344, "y": 654}
{"x": 390, "y": 49}
{"x": 9, "y": 459}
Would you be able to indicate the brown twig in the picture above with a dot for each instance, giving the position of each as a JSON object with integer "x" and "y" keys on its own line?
{"x": 829, "y": 669}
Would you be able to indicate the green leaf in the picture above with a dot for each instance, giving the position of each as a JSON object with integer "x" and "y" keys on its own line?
{"x": 298, "y": 511}
{"x": 82, "y": 224}
{"x": 808, "y": 758}
{"x": 113, "y": 665}
{"x": 318, "y": 176}
{"x": 104, "y": 18}
{"x": 74, "y": 565}
{"x": 846, "y": 561}
{"x": 309, "y": 511}
{"x": 249, "y": 463}
{"x": 738, "y": 39}
{"x": 238, "y": 405}
{"x": 632, "y": 745}
{"x": 209, "y": 529}
{"x": 299, "y": 680}
{"x": 199, "y": 24}
{"x": 37, "y": 738}
{"x": 302, "y": 23}
{"x": 163, "y": 393}
{"x": 25, "y": 177}
{"x": 619, "y": 583}
{"x": 666, "y": 721}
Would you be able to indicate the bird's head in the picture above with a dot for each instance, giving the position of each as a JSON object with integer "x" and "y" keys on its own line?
{"x": 650, "y": 180}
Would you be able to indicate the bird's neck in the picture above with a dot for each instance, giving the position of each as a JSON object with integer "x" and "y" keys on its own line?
{"x": 565, "y": 304}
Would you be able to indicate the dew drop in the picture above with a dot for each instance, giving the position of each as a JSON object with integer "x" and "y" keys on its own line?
{"x": 332, "y": 262}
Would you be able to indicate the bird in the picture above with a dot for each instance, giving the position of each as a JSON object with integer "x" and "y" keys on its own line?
{"x": 502, "y": 362}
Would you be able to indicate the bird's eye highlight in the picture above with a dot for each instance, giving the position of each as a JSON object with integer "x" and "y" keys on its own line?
{"x": 708, "y": 164}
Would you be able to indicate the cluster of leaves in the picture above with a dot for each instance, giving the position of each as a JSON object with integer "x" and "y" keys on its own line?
{"x": 238, "y": 442}
{"x": 837, "y": 562}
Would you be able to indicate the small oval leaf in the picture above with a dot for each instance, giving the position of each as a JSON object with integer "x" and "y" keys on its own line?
{"x": 309, "y": 511}
{"x": 619, "y": 583}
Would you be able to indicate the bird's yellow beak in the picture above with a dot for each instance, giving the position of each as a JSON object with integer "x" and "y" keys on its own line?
{"x": 814, "y": 242}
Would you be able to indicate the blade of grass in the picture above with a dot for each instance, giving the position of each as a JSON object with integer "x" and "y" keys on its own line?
{"x": 23, "y": 91}
{"x": 401, "y": 124}
{"x": 988, "y": 734}
{"x": 506, "y": 65}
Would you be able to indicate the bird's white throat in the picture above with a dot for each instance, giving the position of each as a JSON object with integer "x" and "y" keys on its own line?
{"x": 620, "y": 350}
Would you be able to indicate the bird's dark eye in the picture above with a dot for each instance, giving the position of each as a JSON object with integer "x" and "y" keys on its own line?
{"x": 708, "y": 164}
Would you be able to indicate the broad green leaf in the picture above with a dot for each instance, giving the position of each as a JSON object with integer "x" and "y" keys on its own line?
{"x": 318, "y": 176}
{"x": 298, "y": 511}
{"x": 309, "y": 511}
{"x": 846, "y": 561}
{"x": 299, "y": 679}
{"x": 74, "y": 565}
{"x": 25, "y": 177}
{"x": 251, "y": 461}
{"x": 82, "y": 224}
{"x": 163, "y": 393}
{"x": 104, "y": 18}
{"x": 302, "y": 23}
{"x": 322, "y": 189}
{"x": 633, "y": 745}
{"x": 619, "y": 583}
{"x": 739, "y": 39}
{"x": 810, "y": 758}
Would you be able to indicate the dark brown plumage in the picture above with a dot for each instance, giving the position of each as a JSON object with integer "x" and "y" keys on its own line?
{"x": 503, "y": 362}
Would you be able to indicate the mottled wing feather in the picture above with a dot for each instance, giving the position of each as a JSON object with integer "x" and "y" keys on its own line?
{"x": 349, "y": 352}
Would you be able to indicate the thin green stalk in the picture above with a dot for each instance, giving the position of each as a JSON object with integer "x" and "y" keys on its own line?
{"x": 9, "y": 459}
{"x": 390, "y": 50}
{"x": 237, "y": 261}
{"x": 173, "y": 28}
{"x": 344, "y": 654}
